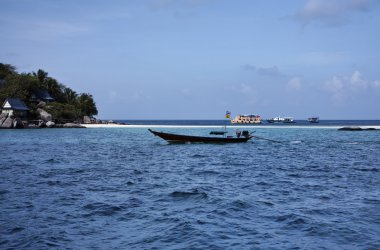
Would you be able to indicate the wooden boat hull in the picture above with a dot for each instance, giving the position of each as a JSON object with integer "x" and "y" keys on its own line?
{"x": 174, "y": 138}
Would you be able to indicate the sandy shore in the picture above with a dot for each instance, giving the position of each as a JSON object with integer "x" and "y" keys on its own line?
{"x": 217, "y": 126}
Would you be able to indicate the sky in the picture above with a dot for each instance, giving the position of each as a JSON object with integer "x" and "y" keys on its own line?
{"x": 196, "y": 59}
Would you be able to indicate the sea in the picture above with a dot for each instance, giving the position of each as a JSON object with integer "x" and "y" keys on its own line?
{"x": 310, "y": 187}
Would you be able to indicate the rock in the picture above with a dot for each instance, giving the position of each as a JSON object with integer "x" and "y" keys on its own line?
{"x": 50, "y": 124}
{"x": 3, "y": 115}
{"x": 353, "y": 128}
{"x": 41, "y": 124}
{"x": 86, "y": 119}
{"x": 45, "y": 116}
{"x": 72, "y": 125}
{"x": 17, "y": 123}
{"x": 8, "y": 123}
{"x": 41, "y": 104}
{"x": 32, "y": 126}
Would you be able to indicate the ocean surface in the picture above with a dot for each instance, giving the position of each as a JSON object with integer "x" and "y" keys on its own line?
{"x": 123, "y": 188}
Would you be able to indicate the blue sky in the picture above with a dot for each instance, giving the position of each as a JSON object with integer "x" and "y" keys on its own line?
{"x": 195, "y": 59}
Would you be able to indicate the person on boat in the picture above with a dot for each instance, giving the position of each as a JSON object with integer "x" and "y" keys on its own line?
{"x": 238, "y": 133}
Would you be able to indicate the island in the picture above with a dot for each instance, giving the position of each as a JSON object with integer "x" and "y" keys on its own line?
{"x": 37, "y": 100}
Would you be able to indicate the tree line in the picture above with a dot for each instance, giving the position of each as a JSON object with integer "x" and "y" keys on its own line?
{"x": 68, "y": 104}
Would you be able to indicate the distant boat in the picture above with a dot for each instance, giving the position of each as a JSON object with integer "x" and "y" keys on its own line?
{"x": 175, "y": 138}
{"x": 288, "y": 120}
{"x": 249, "y": 119}
{"x": 276, "y": 119}
{"x": 313, "y": 119}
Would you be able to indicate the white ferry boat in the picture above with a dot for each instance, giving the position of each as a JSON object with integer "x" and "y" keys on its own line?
{"x": 276, "y": 119}
{"x": 248, "y": 119}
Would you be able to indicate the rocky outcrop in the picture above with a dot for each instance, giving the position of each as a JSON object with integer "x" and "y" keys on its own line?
{"x": 73, "y": 125}
{"x": 86, "y": 119}
{"x": 17, "y": 123}
{"x": 45, "y": 116}
{"x": 3, "y": 117}
{"x": 355, "y": 129}
{"x": 50, "y": 124}
{"x": 8, "y": 123}
{"x": 41, "y": 124}
{"x": 41, "y": 104}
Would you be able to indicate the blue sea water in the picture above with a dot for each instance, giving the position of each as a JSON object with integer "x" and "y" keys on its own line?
{"x": 123, "y": 188}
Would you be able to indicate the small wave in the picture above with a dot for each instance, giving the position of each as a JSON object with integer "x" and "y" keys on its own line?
{"x": 16, "y": 230}
{"x": 207, "y": 172}
{"x": 199, "y": 156}
{"x": 372, "y": 201}
{"x": 102, "y": 209}
{"x": 267, "y": 203}
{"x": 239, "y": 204}
{"x": 52, "y": 160}
{"x": 367, "y": 169}
{"x": 4, "y": 192}
{"x": 195, "y": 193}
{"x": 291, "y": 220}
{"x": 295, "y": 142}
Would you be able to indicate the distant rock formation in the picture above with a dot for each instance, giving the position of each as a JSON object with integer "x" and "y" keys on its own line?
{"x": 17, "y": 123}
{"x": 86, "y": 120}
{"x": 50, "y": 124}
{"x": 45, "y": 116}
{"x": 3, "y": 116}
{"x": 353, "y": 128}
{"x": 73, "y": 125}
{"x": 8, "y": 123}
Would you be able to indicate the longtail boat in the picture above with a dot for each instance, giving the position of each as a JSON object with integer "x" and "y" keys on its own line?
{"x": 175, "y": 138}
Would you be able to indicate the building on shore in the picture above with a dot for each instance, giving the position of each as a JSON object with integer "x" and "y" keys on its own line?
{"x": 41, "y": 95}
{"x": 15, "y": 107}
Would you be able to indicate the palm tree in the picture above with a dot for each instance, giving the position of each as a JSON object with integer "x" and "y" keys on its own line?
{"x": 70, "y": 95}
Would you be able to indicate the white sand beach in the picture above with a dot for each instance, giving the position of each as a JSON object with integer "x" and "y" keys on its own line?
{"x": 111, "y": 125}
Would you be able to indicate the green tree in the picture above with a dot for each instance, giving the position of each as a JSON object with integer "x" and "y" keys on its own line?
{"x": 50, "y": 84}
{"x": 18, "y": 86}
{"x": 87, "y": 105}
{"x": 70, "y": 96}
{"x": 7, "y": 70}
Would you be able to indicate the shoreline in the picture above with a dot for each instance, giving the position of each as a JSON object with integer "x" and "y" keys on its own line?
{"x": 219, "y": 126}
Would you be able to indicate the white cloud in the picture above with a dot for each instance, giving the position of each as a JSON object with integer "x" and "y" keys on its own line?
{"x": 330, "y": 12}
{"x": 294, "y": 83}
{"x": 345, "y": 87}
{"x": 264, "y": 71}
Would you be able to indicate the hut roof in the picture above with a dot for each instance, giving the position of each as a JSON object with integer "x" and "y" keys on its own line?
{"x": 42, "y": 94}
{"x": 15, "y": 104}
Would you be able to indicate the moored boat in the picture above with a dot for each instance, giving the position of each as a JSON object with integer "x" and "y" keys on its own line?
{"x": 275, "y": 119}
{"x": 176, "y": 138}
{"x": 288, "y": 120}
{"x": 247, "y": 119}
{"x": 313, "y": 119}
